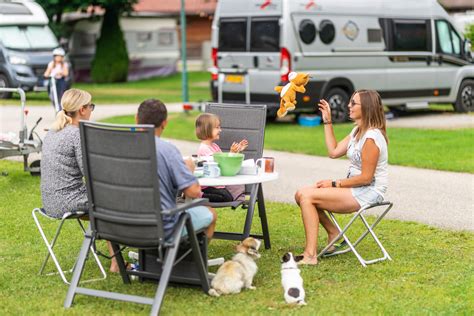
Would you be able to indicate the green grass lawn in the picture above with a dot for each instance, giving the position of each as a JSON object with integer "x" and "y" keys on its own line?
{"x": 168, "y": 89}
{"x": 432, "y": 271}
{"x": 451, "y": 150}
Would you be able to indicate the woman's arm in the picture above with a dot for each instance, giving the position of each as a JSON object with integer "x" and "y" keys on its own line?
{"x": 335, "y": 149}
{"x": 370, "y": 156}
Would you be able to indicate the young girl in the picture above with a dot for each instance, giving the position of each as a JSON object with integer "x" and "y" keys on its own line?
{"x": 208, "y": 129}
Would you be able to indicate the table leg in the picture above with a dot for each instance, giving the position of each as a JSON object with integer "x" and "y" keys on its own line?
{"x": 263, "y": 217}
{"x": 250, "y": 211}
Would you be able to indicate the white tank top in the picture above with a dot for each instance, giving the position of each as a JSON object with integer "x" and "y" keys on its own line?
{"x": 354, "y": 149}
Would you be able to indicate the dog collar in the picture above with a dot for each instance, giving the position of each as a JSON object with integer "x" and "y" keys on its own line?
{"x": 289, "y": 268}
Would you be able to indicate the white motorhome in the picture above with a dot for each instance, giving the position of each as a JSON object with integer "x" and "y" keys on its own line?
{"x": 26, "y": 45}
{"x": 152, "y": 45}
{"x": 409, "y": 51}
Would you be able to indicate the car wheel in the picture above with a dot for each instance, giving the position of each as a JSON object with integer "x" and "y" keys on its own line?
{"x": 338, "y": 100}
{"x": 4, "y": 84}
{"x": 465, "y": 100}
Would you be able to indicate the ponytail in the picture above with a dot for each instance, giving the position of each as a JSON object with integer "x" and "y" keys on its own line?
{"x": 62, "y": 120}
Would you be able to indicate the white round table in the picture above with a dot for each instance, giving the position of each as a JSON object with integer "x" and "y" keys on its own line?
{"x": 238, "y": 179}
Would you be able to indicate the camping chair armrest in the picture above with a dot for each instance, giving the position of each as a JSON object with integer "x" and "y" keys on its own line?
{"x": 183, "y": 207}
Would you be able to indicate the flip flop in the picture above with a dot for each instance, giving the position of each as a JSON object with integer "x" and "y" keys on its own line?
{"x": 337, "y": 247}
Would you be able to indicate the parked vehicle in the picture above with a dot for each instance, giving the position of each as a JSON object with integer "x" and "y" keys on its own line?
{"x": 152, "y": 45}
{"x": 26, "y": 45}
{"x": 409, "y": 51}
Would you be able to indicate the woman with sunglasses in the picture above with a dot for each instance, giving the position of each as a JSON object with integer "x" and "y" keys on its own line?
{"x": 367, "y": 177}
{"x": 62, "y": 186}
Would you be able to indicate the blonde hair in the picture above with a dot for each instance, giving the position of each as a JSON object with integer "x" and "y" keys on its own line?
{"x": 72, "y": 101}
{"x": 205, "y": 123}
{"x": 373, "y": 115}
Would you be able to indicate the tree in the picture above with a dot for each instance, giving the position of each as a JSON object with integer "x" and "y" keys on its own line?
{"x": 110, "y": 63}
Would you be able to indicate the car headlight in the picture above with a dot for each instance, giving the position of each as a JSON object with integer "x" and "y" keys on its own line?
{"x": 17, "y": 60}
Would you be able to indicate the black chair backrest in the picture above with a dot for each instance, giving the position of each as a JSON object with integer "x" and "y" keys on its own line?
{"x": 120, "y": 168}
{"x": 241, "y": 121}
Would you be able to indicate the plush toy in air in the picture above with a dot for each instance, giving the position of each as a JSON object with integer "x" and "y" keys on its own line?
{"x": 288, "y": 92}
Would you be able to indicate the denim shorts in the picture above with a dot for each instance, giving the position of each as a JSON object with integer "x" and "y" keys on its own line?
{"x": 201, "y": 217}
{"x": 366, "y": 195}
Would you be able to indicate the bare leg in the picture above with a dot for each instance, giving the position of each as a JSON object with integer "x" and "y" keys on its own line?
{"x": 113, "y": 264}
{"x": 328, "y": 225}
{"x": 212, "y": 227}
{"x": 311, "y": 200}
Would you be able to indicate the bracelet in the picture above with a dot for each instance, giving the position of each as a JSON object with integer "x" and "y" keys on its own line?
{"x": 327, "y": 123}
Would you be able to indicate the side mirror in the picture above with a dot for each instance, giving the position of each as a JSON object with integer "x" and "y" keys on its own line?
{"x": 467, "y": 50}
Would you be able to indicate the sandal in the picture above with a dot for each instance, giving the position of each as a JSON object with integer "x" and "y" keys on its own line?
{"x": 305, "y": 261}
{"x": 336, "y": 247}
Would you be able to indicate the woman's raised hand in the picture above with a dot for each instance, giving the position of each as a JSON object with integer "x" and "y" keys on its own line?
{"x": 325, "y": 110}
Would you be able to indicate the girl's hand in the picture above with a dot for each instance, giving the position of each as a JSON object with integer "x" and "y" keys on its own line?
{"x": 243, "y": 145}
{"x": 239, "y": 147}
{"x": 234, "y": 148}
{"x": 325, "y": 109}
{"x": 324, "y": 184}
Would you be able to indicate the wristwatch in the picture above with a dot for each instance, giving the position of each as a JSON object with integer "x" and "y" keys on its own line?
{"x": 333, "y": 183}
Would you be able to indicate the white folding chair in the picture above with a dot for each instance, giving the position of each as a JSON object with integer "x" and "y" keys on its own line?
{"x": 50, "y": 245}
{"x": 369, "y": 230}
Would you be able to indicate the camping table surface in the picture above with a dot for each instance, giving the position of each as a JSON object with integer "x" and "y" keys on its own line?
{"x": 256, "y": 196}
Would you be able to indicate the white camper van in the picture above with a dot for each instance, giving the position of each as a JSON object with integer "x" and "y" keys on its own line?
{"x": 26, "y": 45}
{"x": 409, "y": 51}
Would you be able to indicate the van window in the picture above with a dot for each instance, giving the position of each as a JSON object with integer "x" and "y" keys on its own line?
{"x": 27, "y": 37}
{"x": 449, "y": 41}
{"x": 265, "y": 36}
{"x": 233, "y": 35}
{"x": 410, "y": 36}
{"x": 307, "y": 31}
{"x": 327, "y": 31}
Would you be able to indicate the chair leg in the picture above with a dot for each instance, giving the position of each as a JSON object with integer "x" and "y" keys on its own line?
{"x": 202, "y": 268}
{"x": 76, "y": 276}
{"x": 369, "y": 230}
{"x": 49, "y": 246}
{"x": 263, "y": 217}
{"x": 168, "y": 267}
{"x": 121, "y": 263}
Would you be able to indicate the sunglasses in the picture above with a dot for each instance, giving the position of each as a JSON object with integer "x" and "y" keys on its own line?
{"x": 91, "y": 106}
{"x": 353, "y": 103}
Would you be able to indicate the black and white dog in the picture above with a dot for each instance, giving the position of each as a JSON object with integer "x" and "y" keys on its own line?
{"x": 291, "y": 279}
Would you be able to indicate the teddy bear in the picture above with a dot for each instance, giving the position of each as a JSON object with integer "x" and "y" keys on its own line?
{"x": 288, "y": 92}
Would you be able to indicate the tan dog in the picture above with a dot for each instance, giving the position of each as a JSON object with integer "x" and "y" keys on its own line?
{"x": 237, "y": 274}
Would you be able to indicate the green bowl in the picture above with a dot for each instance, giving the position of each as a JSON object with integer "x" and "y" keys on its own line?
{"x": 229, "y": 163}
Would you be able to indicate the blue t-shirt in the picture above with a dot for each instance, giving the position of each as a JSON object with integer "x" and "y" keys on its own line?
{"x": 174, "y": 175}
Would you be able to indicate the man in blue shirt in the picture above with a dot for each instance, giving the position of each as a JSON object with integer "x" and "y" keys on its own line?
{"x": 175, "y": 174}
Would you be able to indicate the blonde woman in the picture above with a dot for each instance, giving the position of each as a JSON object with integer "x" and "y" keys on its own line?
{"x": 62, "y": 185}
{"x": 367, "y": 178}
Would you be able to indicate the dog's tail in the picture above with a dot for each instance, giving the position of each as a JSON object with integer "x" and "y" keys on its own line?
{"x": 213, "y": 292}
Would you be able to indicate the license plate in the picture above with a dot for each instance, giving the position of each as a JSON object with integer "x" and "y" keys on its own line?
{"x": 234, "y": 79}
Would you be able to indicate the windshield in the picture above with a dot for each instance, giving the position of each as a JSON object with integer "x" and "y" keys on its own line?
{"x": 28, "y": 37}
